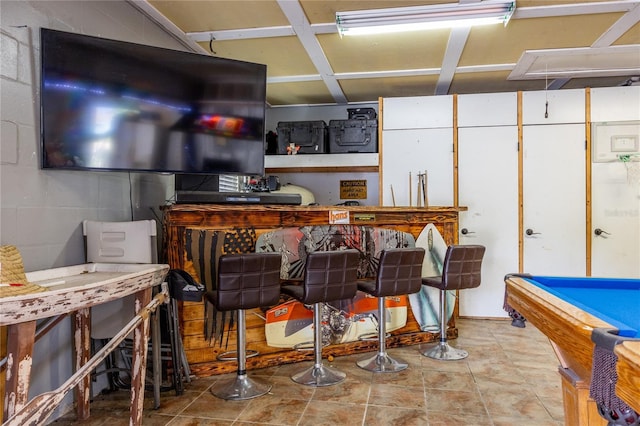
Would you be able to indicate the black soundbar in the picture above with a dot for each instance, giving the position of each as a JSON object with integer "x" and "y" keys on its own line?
{"x": 215, "y": 197}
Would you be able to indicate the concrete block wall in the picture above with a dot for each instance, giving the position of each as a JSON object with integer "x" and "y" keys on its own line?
{"x": 41, "y": 210}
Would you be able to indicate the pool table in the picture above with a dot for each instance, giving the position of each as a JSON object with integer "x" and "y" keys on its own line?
{"x": 567, "y": 310}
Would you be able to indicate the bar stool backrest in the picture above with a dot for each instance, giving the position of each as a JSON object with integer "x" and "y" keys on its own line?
{"x": 330, "y": 275}
{"x": 248, "y": 280}
{"x": 462, "y": 267}
{"x": 399, "y": 271}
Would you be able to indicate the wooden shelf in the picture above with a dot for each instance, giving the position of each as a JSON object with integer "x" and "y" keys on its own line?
{"x": 322, "y": 163}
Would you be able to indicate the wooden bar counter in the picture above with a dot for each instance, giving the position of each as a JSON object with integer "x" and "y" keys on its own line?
{"x": 180, "y": 219}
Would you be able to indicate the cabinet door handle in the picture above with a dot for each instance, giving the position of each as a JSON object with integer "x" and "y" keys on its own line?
{"x": 530, "y": 232}
{"x": 465, "y": 231}
{"x": 599, "y": 231}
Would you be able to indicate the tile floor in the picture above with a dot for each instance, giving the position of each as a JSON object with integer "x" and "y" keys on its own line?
{"x": 510, "y": 378}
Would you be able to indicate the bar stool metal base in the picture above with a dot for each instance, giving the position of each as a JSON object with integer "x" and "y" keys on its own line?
{"x": 382, "y": 363}
{"x": 242, "y": 387}
{"x": 442, "y": 351}
{"x": 319, "y": 375}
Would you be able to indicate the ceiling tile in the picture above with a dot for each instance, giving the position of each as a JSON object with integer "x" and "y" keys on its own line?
{"x": 630, "y": 37}
{"x": 282, "y": 55}
{"x": 490, "y": 82}
{"x": 500, "y": 45}
{"x": 407, "y": 64}
{"x": 376, "y": 53}
{"x": 311, "y": 92}
{"x": 325, "y": 11}
{"x": 367, "y": 90}
{"x": 202, "y": 15}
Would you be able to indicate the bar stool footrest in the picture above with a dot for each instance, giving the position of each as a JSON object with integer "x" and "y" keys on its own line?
{"x": 308, "y": 346}
{"x": 226, "y": 356}
{"x": 373, "y": 336}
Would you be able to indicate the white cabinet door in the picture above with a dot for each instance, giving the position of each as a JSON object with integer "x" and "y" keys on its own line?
{"x": 417, "y": 112}
{"x": 615, "y": 246}
{"x": 414, "y": 151}
{"x": 554, "y": 199}
{"x": 615, "y": 201}
{"x": 488, "y": 187}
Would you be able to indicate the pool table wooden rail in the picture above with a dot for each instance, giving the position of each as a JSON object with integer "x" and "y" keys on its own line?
{"x": 628, "y": 367}
{"x": 568, "y": 327}
{"x": 570, "y": 330}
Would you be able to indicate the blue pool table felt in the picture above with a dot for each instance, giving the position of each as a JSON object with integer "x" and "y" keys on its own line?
{"x": 614, "y": 300}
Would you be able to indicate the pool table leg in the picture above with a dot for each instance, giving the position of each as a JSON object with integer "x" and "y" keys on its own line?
{"x": 579, "y": 409}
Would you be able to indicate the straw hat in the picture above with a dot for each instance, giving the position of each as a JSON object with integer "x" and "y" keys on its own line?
{"x": 12, "y": 272}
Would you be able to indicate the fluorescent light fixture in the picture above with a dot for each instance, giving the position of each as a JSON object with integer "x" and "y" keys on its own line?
{"x": 377, "y": 21}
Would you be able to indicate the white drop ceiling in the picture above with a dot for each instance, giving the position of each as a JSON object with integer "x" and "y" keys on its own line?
{"x": 553, "y": 44}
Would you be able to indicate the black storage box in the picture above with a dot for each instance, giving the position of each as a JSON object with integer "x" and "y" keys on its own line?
{"x": 309, "y": 136}
{"x": 362, "y": 113}
{"x": 182, "y": 286}
{"x": 353, "y": 136}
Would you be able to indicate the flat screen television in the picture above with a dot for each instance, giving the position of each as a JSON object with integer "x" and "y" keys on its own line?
{"x": 114, "y": 105}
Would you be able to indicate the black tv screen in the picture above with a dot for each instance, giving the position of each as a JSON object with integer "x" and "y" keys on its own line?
{"x": 113, "y": 105}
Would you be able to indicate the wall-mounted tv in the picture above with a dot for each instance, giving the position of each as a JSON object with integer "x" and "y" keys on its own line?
{"x": 114, "y": 105}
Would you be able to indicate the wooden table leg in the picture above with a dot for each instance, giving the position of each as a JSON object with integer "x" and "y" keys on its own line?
{"x": 20, "y": 341}
{"x": 156, "y": 360}
{"x": 82, "y": 352}
{"x": 139, "y": 359}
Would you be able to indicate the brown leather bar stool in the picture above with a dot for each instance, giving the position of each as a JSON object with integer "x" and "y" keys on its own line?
{"x": 461, "y": 269}
{"x": 399, "y": 272}
{"x": 328, "y": 276}
{"x": 245, "y": 281}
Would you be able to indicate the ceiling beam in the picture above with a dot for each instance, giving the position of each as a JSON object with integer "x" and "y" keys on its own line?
{"x": 621, "y": 26}
{"x": 392, "y": 73}
{"x": 242, "y": 34}
{"x": 298, "y": 20}
{"x": 455, "y": 46}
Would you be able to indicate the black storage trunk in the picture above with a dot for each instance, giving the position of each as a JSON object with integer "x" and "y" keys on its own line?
{"x": 310, "y": 136}
{"x": 362, "y": 113}
{"x": 353, "y": 136}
